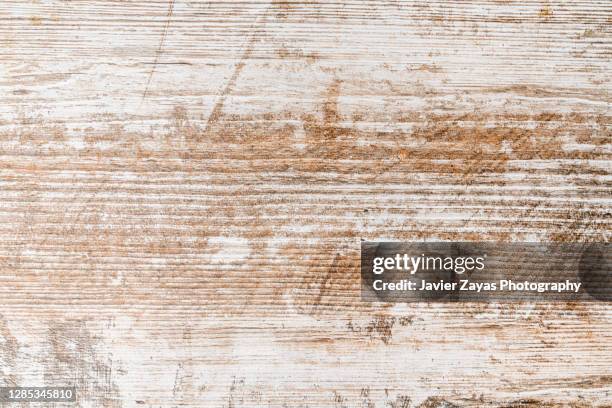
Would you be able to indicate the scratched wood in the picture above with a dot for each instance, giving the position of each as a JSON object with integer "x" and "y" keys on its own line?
{"x": 185, "y": 185}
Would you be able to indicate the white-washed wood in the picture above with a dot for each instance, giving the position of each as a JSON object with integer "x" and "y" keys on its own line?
{"x": 184, "y": 186}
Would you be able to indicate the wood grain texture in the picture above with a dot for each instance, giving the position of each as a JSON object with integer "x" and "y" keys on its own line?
{"x": 185, "y": 184}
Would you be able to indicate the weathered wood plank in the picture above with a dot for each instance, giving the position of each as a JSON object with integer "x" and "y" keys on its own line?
{"x": 185, "y": 184}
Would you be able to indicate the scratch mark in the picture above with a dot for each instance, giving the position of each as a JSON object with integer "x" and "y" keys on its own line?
{"x": 175, "y": 387}
{"x": 248, "y": 51}
{"x": 159, "y": 48}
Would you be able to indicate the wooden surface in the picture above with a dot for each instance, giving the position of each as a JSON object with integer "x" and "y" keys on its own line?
{"x": 184, "y": 186}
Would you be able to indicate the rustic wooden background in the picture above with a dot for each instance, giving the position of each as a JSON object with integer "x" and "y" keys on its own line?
{"x": 185, "y": 184}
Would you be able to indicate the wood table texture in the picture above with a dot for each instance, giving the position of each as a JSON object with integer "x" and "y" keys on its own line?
{"x": 184, "y": 186}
